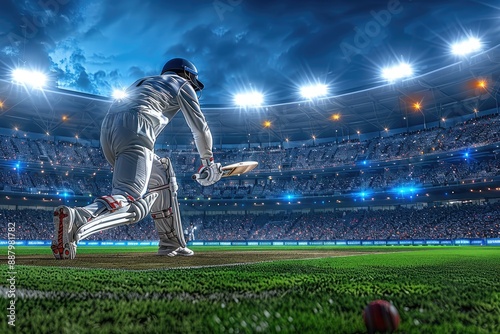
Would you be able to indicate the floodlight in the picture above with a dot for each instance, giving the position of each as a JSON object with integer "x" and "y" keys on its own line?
{"x": 119, "y": 94}
{"x": 252, "y": 99}
{"x": 465, "y": 47}
{"x": 312, "y": 91}
{"x": 31, "y": 78}
{"x": 394, "y": 73}
{"x": 335, "y": 117}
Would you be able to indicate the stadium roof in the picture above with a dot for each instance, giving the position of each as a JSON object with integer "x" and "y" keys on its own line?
{"x": 449, "y": 92}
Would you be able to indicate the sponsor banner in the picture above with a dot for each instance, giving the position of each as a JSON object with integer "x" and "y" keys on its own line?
{"x": 495, "y": 241}
{"x": 239, "y": 243}
{"x": 265, "y": 243}
{"x": 37, "y": 243}
{"x": 211, "y": 243}
{"x": 464, "y": 242}
{"x": 316, "y": 243}
{"x": 107, "y": 243}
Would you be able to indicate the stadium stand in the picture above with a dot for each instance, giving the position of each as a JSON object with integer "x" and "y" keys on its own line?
{"x": 401, "y": 223}
{"x": 435, "y": 157}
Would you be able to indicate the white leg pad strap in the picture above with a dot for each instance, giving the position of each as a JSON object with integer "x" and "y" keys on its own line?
{"x": 116, "y": 210}
{"x": 104, "y": 222}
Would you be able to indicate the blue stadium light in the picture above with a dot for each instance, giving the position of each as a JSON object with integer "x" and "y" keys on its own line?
{"x": 406, "y": 191}
{"x": 119, "y": 94}
{"x": 466, "y": 47}
{"x": 31, "y": 78}
{"x": 314, "y": 91}
{"x": 362, "y": 195}
{"x": 466, "y": 156}
{"x": 403, "y": 70}
{"x": 251, "y": 99}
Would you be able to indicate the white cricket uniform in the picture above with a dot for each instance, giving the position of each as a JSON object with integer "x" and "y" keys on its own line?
{"x": 128, "y": 135}
{"x": 191, "y": 233}
{"x": 130, "y": 128}
{"x": 143, "y": 183}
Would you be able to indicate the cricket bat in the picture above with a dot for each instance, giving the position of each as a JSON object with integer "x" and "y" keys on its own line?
{"x": 231, "y": 170}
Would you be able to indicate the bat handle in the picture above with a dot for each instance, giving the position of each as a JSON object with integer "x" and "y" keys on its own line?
{"x": 198, "y": 176}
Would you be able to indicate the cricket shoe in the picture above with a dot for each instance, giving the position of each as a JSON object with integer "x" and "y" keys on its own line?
{"x": 64, "y": 244}
{"x": 181, "y": 251}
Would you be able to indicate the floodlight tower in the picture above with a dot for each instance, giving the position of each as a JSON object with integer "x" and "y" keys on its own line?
{"x": 119, "y": 94}
{"x": 313, "y": 91}
{"x": 400, "y": 71}
{"x": 251, "y": 99}
{"x": 30, "y": 78}
{"x": 418, "y": 106}
{"x": 466, "y": 47}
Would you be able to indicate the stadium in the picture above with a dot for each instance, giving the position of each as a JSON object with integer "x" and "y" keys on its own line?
{"x": 388, "y": 190}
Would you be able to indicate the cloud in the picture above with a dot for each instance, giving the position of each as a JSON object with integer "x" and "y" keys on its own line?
{"x": 94, "y": 46}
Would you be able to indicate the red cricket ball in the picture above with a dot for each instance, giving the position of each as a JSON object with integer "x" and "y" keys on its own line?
{"x": 381, "y": 316}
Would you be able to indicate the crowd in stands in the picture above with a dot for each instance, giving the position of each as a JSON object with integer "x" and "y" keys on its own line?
{"x": 48, "y": 167}
{"x": 443, "y": 222}
{"x": 71, "y": 167}
{"x": 447, "y": 222}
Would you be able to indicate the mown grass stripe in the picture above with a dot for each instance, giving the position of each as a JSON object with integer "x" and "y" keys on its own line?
{"x": 189, "y": 297}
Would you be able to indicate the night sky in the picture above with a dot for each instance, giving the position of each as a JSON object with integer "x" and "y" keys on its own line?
{"x": 94, "y": 46}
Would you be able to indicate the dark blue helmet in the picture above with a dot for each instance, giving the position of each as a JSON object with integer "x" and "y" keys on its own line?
{"x": 186, "y": 69}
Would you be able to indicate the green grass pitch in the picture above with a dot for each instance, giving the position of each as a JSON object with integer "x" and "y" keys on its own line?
{"x": 435, "y": 289}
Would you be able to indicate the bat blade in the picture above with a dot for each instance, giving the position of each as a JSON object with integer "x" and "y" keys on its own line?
{"x": 232, "y": 170}
{"x": 239, "y": 168}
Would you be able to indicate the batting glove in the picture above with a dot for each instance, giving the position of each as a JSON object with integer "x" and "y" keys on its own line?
{"x": 209, "y": 172}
